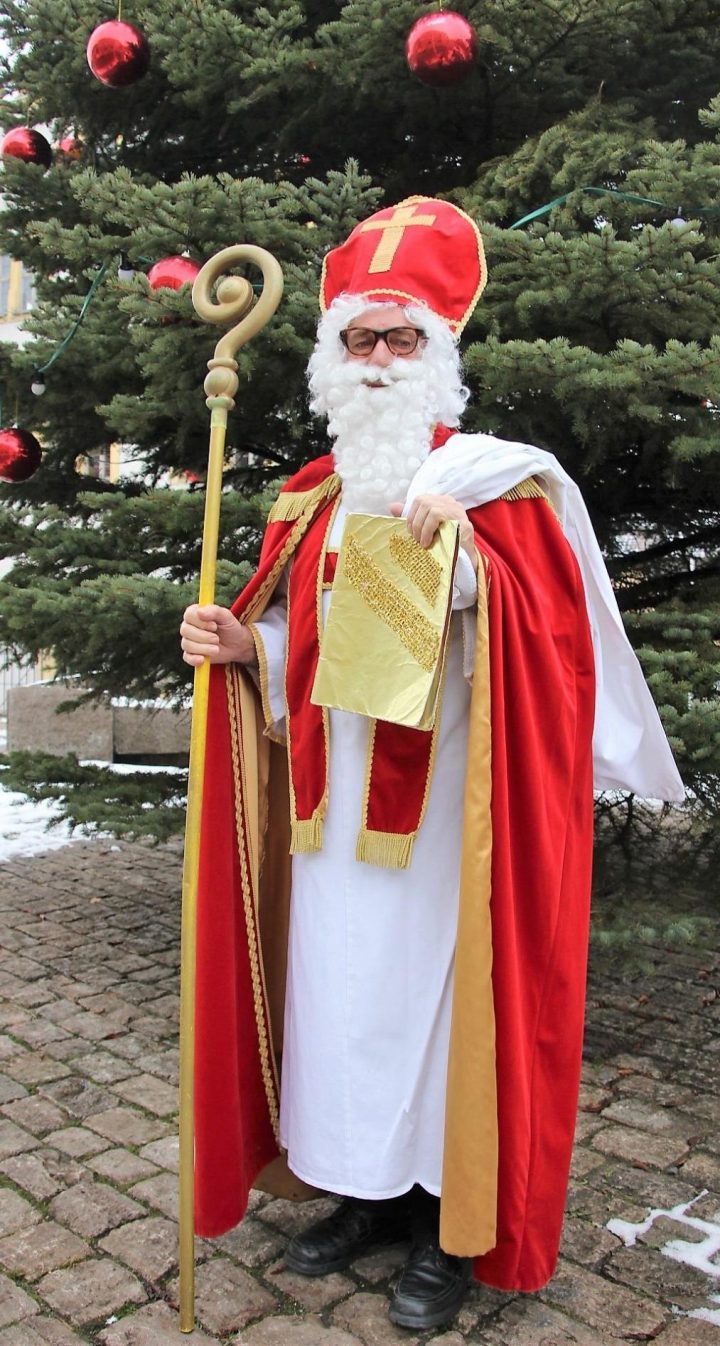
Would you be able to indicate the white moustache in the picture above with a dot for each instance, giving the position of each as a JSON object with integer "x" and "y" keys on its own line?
{"x": 351, "y": 375}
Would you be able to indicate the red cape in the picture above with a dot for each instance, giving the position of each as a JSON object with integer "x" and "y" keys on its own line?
{"x": 542, "y": 704}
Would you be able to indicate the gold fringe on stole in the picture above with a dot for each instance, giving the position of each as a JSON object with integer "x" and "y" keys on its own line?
{"x": 393, "y": 850}
{"x": 529, "y": 489}
{"x": 306, "y": 835}
{"x": 291, "y": 504}
{"x": 468, "y": 1207}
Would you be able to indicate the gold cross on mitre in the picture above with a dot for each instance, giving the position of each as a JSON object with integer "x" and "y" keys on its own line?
{"x": 393, "y": 230}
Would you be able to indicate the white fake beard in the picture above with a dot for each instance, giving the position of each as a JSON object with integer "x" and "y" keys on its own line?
{"x": 381, "y": 434}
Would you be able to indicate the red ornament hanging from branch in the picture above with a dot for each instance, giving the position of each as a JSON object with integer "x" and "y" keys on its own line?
{"x": 20, "y": 455}
{"x": 70, "y": 148}
{"x": 172, "y": 272}
{"x": 117, "y": 53}
{"x": 441, "y": 48}
{"x": 28, "y": 145}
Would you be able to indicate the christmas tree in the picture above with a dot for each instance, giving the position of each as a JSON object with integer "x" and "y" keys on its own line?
{"x": 282, "y": 125}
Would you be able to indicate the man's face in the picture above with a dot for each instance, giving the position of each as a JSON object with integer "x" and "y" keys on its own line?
{"x": 383, "y": 320}
{"x": 382, "y": 404}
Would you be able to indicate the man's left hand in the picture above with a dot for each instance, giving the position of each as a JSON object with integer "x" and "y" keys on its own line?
{"x": 427, "y": 512}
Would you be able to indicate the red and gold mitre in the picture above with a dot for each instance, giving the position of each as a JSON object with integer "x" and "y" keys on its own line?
{"x": 421, "y": 251}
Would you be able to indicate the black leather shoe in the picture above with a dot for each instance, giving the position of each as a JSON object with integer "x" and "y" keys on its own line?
{"x": 355, "y": 1228}
{"x": 431, "y": 1289}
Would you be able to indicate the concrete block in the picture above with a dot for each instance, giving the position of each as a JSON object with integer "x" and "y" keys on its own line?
{"x": 100, "y": 731}
{"x": 35, "y": 724}
{"x": 142, "y": 732}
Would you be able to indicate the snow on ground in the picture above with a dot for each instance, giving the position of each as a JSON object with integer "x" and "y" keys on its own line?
{"x": 23, "y": 827}
{"x": 24, "y": 824}
{"x": 699, "y": 1253}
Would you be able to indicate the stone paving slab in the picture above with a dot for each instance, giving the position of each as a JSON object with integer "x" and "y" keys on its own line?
{"x": 89, "y": 953}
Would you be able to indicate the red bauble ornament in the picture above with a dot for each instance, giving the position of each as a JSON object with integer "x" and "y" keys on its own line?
{"x": 28, "y": 145}
{"x": 441, "y": 48}
{"x": 70, "y": 148}
{"x": 117, "y": 53}
{"x": 20, "y": 455}
{"x": 172, "y": 272}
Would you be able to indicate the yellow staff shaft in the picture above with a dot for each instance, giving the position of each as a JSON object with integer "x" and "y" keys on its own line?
{"x": 191, "y": 861}
{"x": 234, "y": 302}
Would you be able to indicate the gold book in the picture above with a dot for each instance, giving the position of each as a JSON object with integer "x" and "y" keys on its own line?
{"x": 382, "y": 652}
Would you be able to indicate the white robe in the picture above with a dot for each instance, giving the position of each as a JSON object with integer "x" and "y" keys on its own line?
{"x": 371, "y": 952}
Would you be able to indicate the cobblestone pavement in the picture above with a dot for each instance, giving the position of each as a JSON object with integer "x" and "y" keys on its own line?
{"x": 88, "y": 1155}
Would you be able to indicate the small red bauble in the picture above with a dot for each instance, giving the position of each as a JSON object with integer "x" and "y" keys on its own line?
{"x": 441, "y": 48}
{"x": 70, "y": 148}
{"x": 172, "y": 272}
{"x": 28, "y": 145}
{"x": 117, "y": 53}
{"x": 20, "y": 455}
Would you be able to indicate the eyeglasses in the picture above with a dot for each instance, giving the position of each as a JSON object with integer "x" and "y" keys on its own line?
{"x": 399, "y": 340}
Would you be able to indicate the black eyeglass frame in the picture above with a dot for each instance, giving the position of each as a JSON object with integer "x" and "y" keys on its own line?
{"x": 383, "y": 335}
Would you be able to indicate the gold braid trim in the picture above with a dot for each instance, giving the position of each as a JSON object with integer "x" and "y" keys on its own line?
{"x": 262, "y": 1014}
{"x": 291, "y": 504}
{"x": 264, "y": 676}
{"x": 529, "y": 489}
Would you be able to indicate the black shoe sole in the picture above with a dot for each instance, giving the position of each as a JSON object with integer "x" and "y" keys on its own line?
{"x": 422, "y": 1321}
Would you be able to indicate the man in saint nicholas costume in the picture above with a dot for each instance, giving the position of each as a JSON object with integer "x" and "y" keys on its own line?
{"x": 392, "y": 923}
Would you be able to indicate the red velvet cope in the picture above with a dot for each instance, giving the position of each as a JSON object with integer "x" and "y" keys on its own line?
{"x": 234, "y": 1138}
{"x": 543, "y": 695}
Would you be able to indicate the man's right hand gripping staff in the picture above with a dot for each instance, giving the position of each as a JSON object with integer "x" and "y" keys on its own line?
{"x": 213, "y": 633}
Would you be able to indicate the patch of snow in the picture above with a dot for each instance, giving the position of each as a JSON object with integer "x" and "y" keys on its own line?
{"x": 706, "y": 1315}
{"x": 700, "y": 1254}
{"x": 126, "y": 768}
{"x": 24, "y": 827}
{"x": 151, "y": 703}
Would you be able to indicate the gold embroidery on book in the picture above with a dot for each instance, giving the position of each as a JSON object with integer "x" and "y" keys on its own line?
{"x": 391, "y": 605}
{"x": 419, "y": 565}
